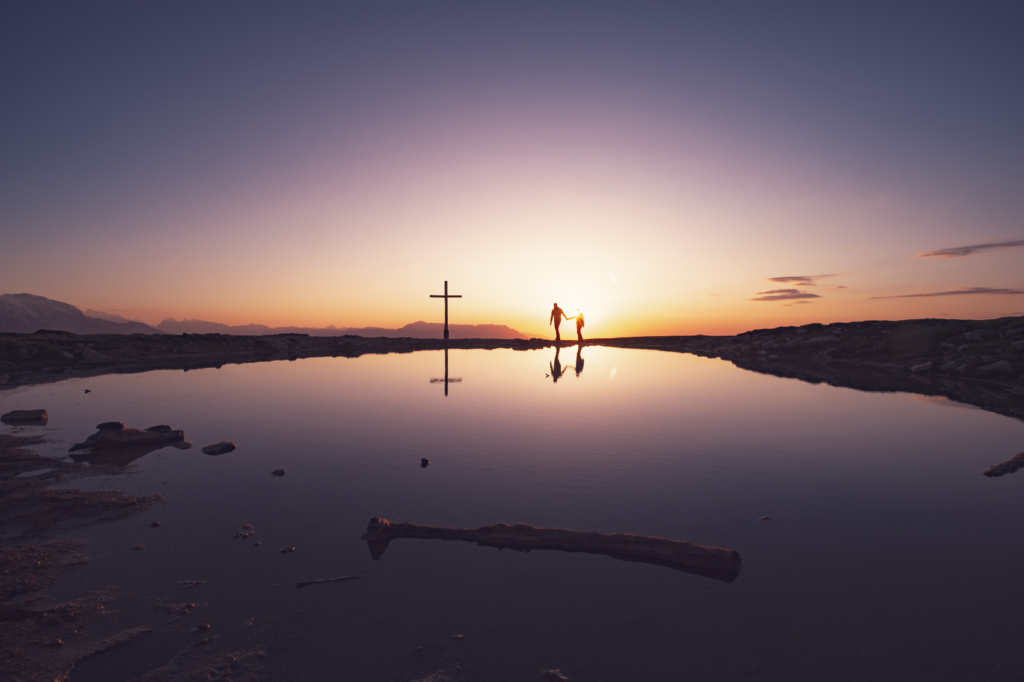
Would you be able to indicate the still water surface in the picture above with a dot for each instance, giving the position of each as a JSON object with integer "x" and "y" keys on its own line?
{"x": 888, "y": 555}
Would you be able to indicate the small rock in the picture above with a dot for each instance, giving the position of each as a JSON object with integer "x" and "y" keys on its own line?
{"x": 94, "y": 355}
{"x": 554, "y": 675}
{"x": 278, "y": 472}
{"x": 419, "y": 648}
{"x": 923, "y": 367}
{"x": 88, "y": 391}
{"x": 140, "y": 547}
{"x": 459, "y": 637}
{"x": 183, "y": 445}
{"x": 765, "y": 518}
{"x": 424, "y": 462}
{"x": 287, "y": 550}
{"x": 69, "y": 356}
{"x": 240, "y": 534}
{"x": 256, "y": 544}
{"x": 247, "y": 526}
{"x": 203, "y": 627}
{"x": 155, "y": 524}
{"x": 221, "y": 448}
{"x": 57, "y": 642}
{"x": 39, "y": 417}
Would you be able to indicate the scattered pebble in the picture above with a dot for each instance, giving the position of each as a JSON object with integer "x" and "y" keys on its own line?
{"x": 286, "y": 550}
{"x": 155, "y": 524}
{"x": 221, "y": 448}
{"x": 88, "y": 391}
{"x": 419, "y": 648}
{"x": 765, "y": 518}
{"x": 256, "y": 544}
{"x": 278, "y": 472}
{"x": 140, "y": 547}
{"x": 203, "y": 627}
{"x": 460, "y": 637}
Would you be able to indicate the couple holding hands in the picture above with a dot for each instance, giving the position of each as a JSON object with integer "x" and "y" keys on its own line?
{"x": 557, "y": 314}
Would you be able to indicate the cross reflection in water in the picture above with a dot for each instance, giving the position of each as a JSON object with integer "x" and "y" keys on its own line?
{"x": 446, "y": 380}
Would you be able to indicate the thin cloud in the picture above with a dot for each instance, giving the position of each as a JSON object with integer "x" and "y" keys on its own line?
{"x": 799, "y": 280}
{"x": 959, "y": 292}
{"x": 838, "y": 287}
{"x": 783, "y": 295}
{"x": 961, "y": 251}
{"x": 797, "y": 303}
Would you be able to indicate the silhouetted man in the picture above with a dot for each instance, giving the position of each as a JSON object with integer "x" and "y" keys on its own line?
{"x": 579, "y": 326}
{"x": 556, "y": 316}
{"x": 556, "y": 366}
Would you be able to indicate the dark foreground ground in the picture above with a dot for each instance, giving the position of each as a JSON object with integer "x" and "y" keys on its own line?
{"x": 976, "y": 362}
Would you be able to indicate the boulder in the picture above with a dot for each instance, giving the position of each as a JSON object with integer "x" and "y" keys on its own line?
{"x": 94, "y": 355}
{"x": 37, "y": 417}
{"x": 972, "y": 337}
{"x": 1018, "y": 345}
{"x": 1000, "y": 366}
{"x": 923, "y": 367}
{"x": 221, "y": 448}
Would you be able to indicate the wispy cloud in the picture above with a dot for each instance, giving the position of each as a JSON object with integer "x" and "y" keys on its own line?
{"x": 838, "y": 287}
{"x": 958, "y": 292}
{"x": 960, "y": 251}
{"x": 797, "y": 303}
{"x": 783, "y": 295}
{"x": 799, "y": 280}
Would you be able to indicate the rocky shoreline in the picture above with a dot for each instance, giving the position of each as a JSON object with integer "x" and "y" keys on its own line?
{"x": 978, "y": 362}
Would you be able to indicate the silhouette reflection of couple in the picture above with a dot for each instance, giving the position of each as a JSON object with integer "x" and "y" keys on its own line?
{"x": 556, "y": 367}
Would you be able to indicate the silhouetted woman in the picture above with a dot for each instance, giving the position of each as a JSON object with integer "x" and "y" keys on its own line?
{"x": 579, "y": 326}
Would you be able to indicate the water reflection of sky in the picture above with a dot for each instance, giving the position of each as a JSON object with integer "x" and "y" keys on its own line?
{"x": 888, "y": 554}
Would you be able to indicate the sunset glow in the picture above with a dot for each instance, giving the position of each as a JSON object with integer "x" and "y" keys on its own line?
{"x": 653, "y": 168}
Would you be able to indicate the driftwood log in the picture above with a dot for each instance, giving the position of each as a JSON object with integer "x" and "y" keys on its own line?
{"x": 712, "y": 562}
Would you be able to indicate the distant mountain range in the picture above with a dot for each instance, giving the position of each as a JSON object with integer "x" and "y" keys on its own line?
{"x": 416, "y": 330}
{"x": 27, "y": 313}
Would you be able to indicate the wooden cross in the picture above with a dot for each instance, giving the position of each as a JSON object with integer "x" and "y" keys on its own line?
{"x": 445, "y": 296}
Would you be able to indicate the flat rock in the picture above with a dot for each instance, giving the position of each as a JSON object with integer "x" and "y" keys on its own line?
{"x": 278, "y": 472}
{"x": 221, "y": 448}
{"x": 114, "y": 435}
{"x": 1008, "y": 467}
{"x": 39, "y": 417}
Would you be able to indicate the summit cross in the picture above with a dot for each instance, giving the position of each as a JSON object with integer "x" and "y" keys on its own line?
{"x": 445, "y": 296}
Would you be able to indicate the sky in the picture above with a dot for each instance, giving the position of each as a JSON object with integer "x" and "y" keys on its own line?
{"x": 667, "y": 168}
